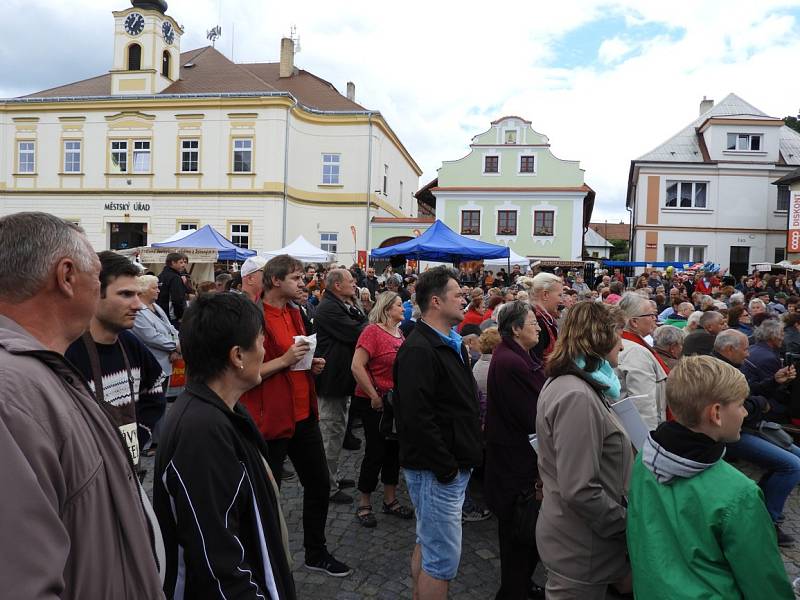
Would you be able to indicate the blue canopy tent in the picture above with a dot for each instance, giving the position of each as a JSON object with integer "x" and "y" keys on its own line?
{"x": 442, "y": 244}
{"x": 208, "y": 237}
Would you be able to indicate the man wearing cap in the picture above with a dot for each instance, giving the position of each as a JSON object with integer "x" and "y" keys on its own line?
{"x": 778, "y": 305}
{"x": 253, "y": 278}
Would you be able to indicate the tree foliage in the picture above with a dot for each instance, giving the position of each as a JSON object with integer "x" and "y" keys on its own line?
{"x": 792, "y": 122}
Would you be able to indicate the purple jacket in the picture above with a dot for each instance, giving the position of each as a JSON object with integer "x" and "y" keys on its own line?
{"x": 515, "y": 379}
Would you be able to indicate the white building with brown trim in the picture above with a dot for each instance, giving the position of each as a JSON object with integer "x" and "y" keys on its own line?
{"x": 171, "y": 140}
{"x": 706, "y": 195}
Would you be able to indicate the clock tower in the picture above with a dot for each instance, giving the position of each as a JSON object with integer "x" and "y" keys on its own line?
{"x": 146, "y": 49}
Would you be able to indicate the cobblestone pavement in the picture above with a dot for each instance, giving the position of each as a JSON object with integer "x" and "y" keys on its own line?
{"x": 380, "y": 556}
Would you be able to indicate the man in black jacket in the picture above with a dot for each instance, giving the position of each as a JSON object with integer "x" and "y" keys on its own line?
{"x": 371, "y": 282}
{"x": 171, "y": 289}
{"x": 701, "y": 341}
{"x": 338, "y": 323}
{"x": 781, "y": 465}
{"x": 436, "y": 411}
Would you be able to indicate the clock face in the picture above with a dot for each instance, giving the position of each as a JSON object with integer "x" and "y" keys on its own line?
{"x": 134, "y": 24}
{"x": 168, "y": 31}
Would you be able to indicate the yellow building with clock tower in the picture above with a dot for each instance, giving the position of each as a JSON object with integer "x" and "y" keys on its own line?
{"x": 147, "y": 48}
{"x": 170, "y": 139}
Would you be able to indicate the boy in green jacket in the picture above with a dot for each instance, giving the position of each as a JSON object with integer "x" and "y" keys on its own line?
{"x": 697, "y": 527}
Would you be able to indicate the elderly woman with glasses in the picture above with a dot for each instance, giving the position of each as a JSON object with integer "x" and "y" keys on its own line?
{"x": 514, "y": 381}
{"x": 641, "y": 371}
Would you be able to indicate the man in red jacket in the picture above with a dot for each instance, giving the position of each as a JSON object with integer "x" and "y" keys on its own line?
{"x": 284, "y": 407}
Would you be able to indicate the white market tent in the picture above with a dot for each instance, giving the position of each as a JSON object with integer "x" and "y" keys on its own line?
{"x": 302, "y": 250}
{"x": 177, "y": 236}
{"x": 514, "y": 259}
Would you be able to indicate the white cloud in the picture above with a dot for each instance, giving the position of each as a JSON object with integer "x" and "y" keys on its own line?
{"x": 441, "y": 71}
{"x": 613, "y": 49}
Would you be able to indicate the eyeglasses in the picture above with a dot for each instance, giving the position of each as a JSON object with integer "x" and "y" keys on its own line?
{"x": 654, "y": 315}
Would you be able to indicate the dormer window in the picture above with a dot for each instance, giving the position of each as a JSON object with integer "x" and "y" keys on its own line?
{"x": 748, "y": 142}
{"x": 134, "y": 57}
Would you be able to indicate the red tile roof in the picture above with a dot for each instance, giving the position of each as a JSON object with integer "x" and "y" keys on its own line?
{"x": 612, "y": 231}
{"x": 214, "y": 73}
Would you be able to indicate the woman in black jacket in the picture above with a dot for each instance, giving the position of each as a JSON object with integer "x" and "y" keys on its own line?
{"x": 215, "y": 498}
{"x": 515, "y": 379}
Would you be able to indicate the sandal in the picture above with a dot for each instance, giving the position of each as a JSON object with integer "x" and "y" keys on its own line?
{"x": 365, "y": 516}
{"x": 397, "y": 509}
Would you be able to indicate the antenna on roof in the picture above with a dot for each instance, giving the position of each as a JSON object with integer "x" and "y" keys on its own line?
{"x": 214, "y": 34}
{"x": 295, "y": 39}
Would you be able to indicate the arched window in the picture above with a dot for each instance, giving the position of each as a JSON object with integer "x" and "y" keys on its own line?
{"x": 165, "y": 63}
{"x": 134, "y": 57}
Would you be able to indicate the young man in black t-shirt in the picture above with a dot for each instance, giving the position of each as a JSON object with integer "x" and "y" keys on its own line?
{"x": 132, "y": 396}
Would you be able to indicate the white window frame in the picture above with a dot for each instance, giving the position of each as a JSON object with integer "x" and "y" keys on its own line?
{"x": 187, "y": 153}
{"x": 522, "y": 173}
{"x": 784, "y": 195}
{"x": 243, "y": 145}
{"x": 385, "y": 180}
{"x": 672, "y": 253}
{"x": 506, "y": 209}
{"x": 331, "y": 168}
{"x": 142, "y": 152}
{"x": 243, "y": 231}
{"x": 748, "y": 142}
{"x": 553, "y": 231}
{"x": 499, "y": 164}
{"x": 329, "y": 241}
{"x": 122, "y": 150}
{"x": 26, "y": 157}
{"x": 693, "y": 194}
{"x": 72, "y": 156}
{"x": 544, "y": 207}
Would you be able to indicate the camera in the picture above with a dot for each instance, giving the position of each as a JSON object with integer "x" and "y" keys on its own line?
{"x": 792, "y": 359}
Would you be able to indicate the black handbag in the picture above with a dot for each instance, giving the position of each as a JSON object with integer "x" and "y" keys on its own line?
{"x": 526, "y": 512}
{"x": 773, "y": 433}
{"x": 387, "y": 425}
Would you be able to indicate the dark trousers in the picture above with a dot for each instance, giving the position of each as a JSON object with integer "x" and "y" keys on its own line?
{"x": 307, "y": 453}
{"x": 381, "y": 456}
{"x": 517, "y": 563}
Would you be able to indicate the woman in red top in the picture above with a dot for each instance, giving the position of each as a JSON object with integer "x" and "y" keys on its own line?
{"x": 475, "y": 311}
{"x": 372, "y": 367}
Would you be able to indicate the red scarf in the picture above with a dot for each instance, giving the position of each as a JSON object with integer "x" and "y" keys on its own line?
{"x": 633, "y": 337}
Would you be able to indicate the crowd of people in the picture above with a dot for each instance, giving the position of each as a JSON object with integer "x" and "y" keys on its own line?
{"x": 515, "y": 376}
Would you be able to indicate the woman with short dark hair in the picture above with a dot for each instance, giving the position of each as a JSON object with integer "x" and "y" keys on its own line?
{"x": 215, "y": 498}
{"x": 515, "y": 379}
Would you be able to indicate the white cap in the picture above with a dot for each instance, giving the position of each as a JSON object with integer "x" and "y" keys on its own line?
{"x": 253, "y": 264}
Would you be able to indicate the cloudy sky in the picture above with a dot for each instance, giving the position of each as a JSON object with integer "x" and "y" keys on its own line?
{"x": 606, "y": 81}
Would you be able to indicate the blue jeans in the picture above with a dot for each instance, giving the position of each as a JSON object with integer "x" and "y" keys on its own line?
{"x": 783, "y": 468}
{"x": 438, "y": 507}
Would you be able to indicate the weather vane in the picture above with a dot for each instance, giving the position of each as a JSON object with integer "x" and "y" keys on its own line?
{"x": 214, "y": 34}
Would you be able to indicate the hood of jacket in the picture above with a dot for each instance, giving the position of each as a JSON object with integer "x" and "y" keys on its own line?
{"x": 675, "y": 452}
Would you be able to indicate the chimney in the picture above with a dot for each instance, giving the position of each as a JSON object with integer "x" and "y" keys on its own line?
{"x": 706, "y": 105}
{"x": 287, "y": 57}
{"x": 351, "y": 91}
